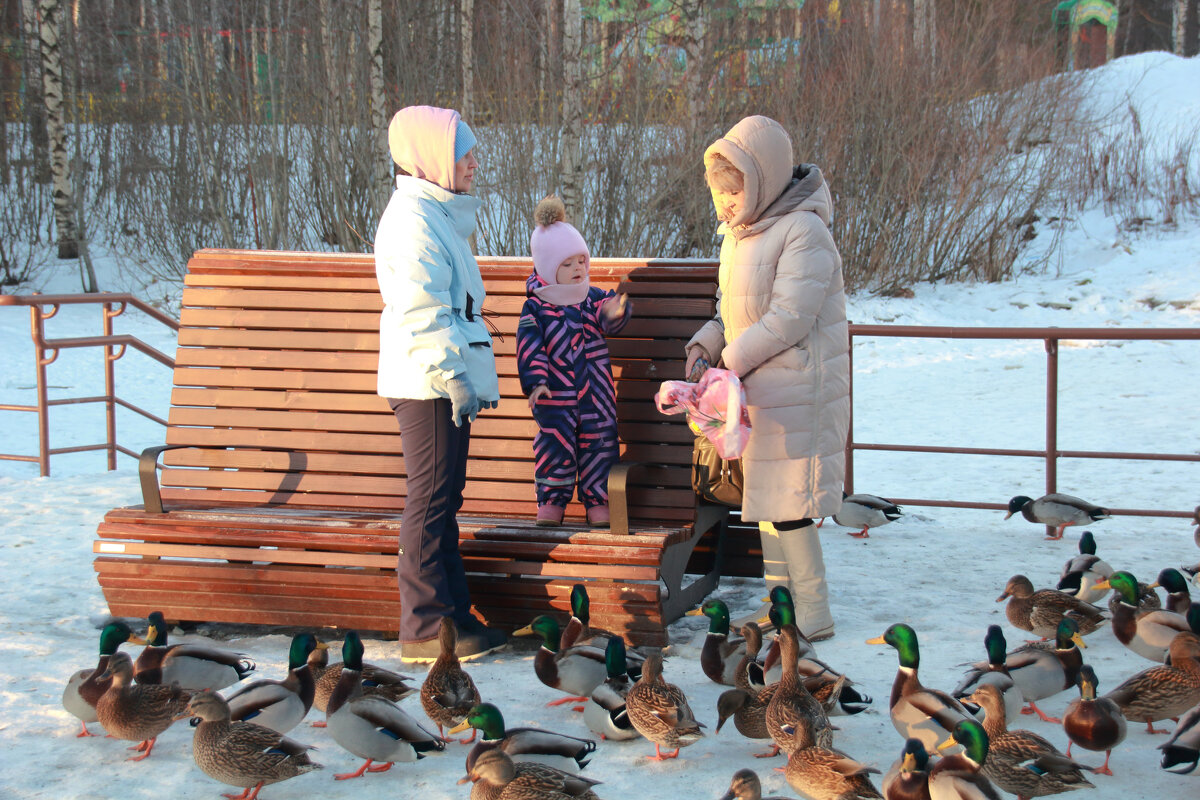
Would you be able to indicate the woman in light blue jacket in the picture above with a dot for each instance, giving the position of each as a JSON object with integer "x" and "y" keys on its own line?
{"x": 436, "y": 366}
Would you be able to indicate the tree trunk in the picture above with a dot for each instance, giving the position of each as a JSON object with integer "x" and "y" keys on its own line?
{"x": 466, "y": 18}
{"x": 379, "y": 105}
{"x": 697, "y": 84}
{"x": 56, "y": 129}
{"x": 920, "y": 12}
{"x": 572, "y": 128}
{"x": 1179, "y": 27}
{"x": 35, "y": 106}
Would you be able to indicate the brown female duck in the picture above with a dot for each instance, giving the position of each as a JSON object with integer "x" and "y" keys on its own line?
{"x": 794, "y": 717}
{"x": 85, "y": 687}
{"x": 660, "y": 711}
{"x": 1163, "y": 691}
{"x": 448, "y": 693}
{"x": 1039, "y": 612}
{"x": 137, "y": 713}
{"x": 1019, "y": 761}
{"x": 495, "y": 776}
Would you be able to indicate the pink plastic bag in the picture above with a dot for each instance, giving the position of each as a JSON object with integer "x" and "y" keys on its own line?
{"x": 715, "y": 406}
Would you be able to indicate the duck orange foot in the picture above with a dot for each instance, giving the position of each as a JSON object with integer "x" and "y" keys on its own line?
{"x": 659, "y": 755}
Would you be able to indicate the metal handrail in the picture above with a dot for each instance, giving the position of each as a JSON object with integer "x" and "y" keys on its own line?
{"x": 1051, "y": 337}
{"x": 45, "y": 306}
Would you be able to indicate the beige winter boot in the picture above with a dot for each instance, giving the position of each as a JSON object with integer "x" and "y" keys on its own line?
{"x": 775, "y": 573}
{"x": 805, "y": 568}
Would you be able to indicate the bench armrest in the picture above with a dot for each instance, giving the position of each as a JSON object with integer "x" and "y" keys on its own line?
{"x": 618, "y": 498}
{"x": 148, "y": 470}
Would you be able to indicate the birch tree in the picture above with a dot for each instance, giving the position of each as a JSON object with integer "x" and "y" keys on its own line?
{"x": 379, "y": 109}
{"x": 56, "y": 129}
{"x": 467, "y": 54}
{"x": 1179, "y": 24}
{"x": 36, "y": 113}
{"x": 571, "y": 165}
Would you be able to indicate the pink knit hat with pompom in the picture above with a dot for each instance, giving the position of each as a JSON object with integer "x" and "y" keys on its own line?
{"x": 553, "y": 241}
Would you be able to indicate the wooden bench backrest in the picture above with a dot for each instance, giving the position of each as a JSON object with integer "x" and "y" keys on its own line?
{"x": 277, "y": 359}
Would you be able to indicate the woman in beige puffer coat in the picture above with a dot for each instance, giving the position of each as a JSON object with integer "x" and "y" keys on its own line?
{"x": 781, "y": 326}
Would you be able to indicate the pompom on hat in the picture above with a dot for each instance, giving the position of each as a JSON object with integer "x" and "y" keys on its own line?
{"x": 552, "y": 242}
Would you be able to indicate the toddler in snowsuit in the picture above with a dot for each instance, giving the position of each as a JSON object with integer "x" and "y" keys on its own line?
{"x": 564, "y": 368}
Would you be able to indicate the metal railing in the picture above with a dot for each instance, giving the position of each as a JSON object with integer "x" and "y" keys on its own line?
{"x": 45, "y": 306}
{"x": 1051, "y": 453}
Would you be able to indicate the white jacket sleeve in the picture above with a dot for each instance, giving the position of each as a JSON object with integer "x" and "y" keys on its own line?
{"x": 414, "y": 279}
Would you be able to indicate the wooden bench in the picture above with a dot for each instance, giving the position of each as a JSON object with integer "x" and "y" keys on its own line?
{"x": 282, "y": 480}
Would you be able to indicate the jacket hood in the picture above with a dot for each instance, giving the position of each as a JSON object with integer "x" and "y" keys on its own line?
{"x": 421, "y": 139}
{"x": 807, "y": 191}
{"x": 762, "y": 150}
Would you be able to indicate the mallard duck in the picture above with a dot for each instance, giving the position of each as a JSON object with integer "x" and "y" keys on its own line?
{"x": 495, "y": 776}
{"x": 1040, "y": 671}
{"x": 749, "y": 713}
{"x": 918, "y": 712}
{"x": 837, "y": 696}
{"x": 1162, "y": 691}
{"x": 1019, "y": 761}
{"x": 1039, "y": 612}
{"x": 660, "y": 711}
{"x": 721, "y": 653}
{"x": 369, "y": 726}
{"x": 279, "y": 705}
{"x": 137, "y": 713}
{"x": 376, "y": 680}
{"x": 795, "y": 719}
{"x": 1149, "y": 634}
{"x": 579, "y": 629}
{"x": 85, "y": 687}
{"x": 745, "y": 785}
{"x": 1147, "y": 600}
{"x": 993, "y": 672}
{"x": 523, "y": 744}
{"x": 823, "y": 773}
{"x": 958, "y": 776}
{"x": 1093, "y": 723}
{"x": 866, "y": 511}
{"x": 750, "y": 673}
{"x": 1181, "y": 752}
{"x": 448, "y": 693}
{"x": 1179, "y": 599}
{"x": 1060, "y": 511}
{"x": 908, "y": 777}
{"x": 605, "y": 711}
{"x": 246, "y": 754}
{"x": 578, "y": 670}
{"x": 1081, "y": 573}
{"x": 195, "y": 667}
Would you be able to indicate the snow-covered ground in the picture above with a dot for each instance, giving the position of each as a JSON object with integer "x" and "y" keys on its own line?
{"x": 938, "y": 570}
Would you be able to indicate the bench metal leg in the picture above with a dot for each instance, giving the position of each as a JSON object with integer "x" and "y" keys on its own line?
{"x": 675, "y": 560}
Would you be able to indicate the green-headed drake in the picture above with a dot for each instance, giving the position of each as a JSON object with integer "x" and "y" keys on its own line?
{"x": 577, "y": 670}
{"x": 448, "y": 693}
{"x": 1059, "y": 511}
{"x": 605, "y": 712}
{"x": 993, "y": 672}
{"x": 908, "y": 777}
{"x": 660, "y": 711}
{"x": 1093, "y": 723}
{"x": 369, "y": 726}
{"x": 958, "y": 776}
{"x": 85, "y": 687}
{"x": 137, "y": 713}
{"x": 279, "y": 704}
{"x": 918, "y": 712}
{"x": 1179, "y": 598}
{"x": 194, "y": 666}
{"x": 722, "y": 652}
{"x": 375, "y": 680}
{"x": 523, "y": 744}
{"x": 1042, "y": 671}
{"x": 1022, "y": 762}
{"x": 1081, "y": 573}
{"x": 1148, "y": 633}
{"x": 245, "y": 755}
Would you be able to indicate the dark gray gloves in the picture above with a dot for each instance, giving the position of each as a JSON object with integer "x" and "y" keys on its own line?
{"x": 464, "y": 403}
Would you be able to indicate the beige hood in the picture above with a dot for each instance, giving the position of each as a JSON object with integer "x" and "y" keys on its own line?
{"x": 762, "y": 150}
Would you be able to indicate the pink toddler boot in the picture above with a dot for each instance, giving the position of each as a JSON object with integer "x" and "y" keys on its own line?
{"x": 549, "y": 516}
{"x": 598, "y": 516}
